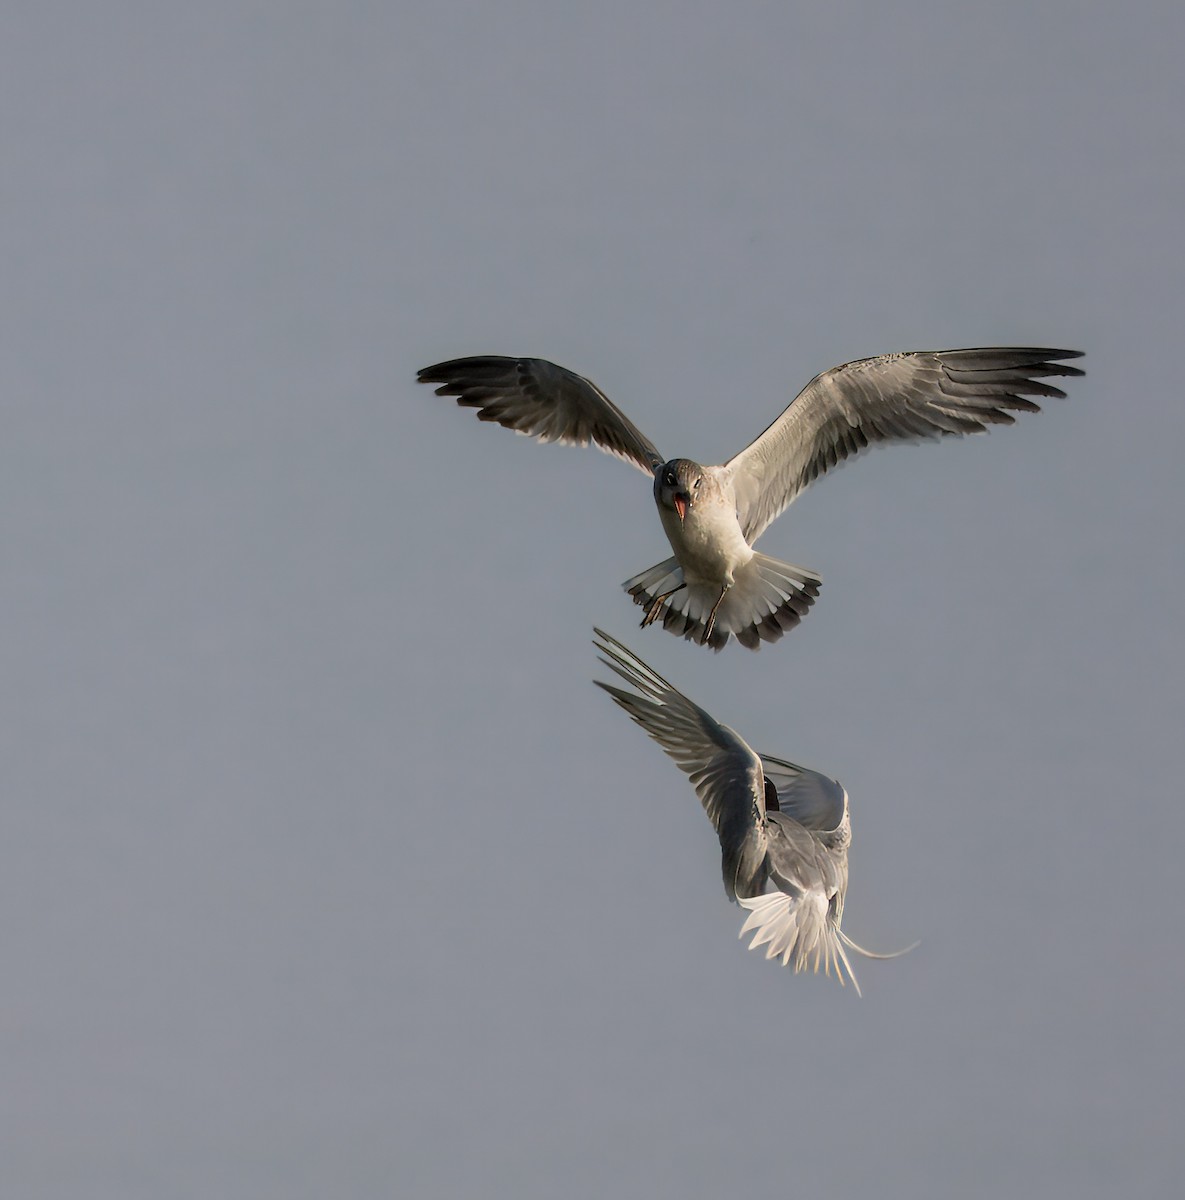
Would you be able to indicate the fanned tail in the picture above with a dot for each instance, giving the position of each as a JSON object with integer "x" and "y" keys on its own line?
{"x": 766, "y": 601}
{"x": 798, "y": 927}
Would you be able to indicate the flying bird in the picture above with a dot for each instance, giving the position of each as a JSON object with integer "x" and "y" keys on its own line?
{"x": 784, "y": 830}
{"x": 716, "y": 586}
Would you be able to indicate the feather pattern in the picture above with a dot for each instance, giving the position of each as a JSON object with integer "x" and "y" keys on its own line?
{"x": 892, "y": 398}
{"x": 542, "y": 400}
{"x": 725, "y": 773}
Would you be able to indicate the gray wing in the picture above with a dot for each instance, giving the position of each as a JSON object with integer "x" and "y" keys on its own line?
{"x": 893, "y": 398}
{"x": 799, "y": 862}
{"x": 813, "y": 828}
{"x": 815, "y": 801}
{"x": 542, "y": 400}
{"x": 726, "y": 774}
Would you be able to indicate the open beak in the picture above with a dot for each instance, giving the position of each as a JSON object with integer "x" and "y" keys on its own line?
{"x": 680, "y": 505}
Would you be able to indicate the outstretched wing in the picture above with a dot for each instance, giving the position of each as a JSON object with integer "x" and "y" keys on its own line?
{"x": 726, "y": 774}
{"x": 542, "y": 400}
{"x": 893, "y": 398}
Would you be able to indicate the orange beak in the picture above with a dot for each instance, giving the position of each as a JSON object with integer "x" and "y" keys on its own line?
{"x": 680, "y": 506}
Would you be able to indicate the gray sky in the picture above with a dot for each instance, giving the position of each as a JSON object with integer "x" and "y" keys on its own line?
{"x": 324, "y": 870}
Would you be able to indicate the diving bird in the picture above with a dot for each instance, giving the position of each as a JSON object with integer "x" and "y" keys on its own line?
{"x": 784, "y": 830}
{"x": 717, "y": 586}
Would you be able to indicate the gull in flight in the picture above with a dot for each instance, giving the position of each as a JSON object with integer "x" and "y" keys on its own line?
{"x": 717, "y": 586}
{"x": 784, "y": 830}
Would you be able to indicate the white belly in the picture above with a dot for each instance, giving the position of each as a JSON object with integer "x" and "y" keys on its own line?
{"x": 708, "y": 543}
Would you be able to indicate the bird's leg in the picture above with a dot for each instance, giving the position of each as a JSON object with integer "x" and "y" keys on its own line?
{"x": 656, "y": 605}
{"x": 712, "y": 616}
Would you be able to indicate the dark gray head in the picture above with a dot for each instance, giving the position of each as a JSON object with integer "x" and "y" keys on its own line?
{"x": 676, "y": 484}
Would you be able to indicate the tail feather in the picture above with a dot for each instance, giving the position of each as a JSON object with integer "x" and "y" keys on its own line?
{"x": 798, "y": 927}
{"x": 765, "y": 602}
{"x": 847, "y": 941}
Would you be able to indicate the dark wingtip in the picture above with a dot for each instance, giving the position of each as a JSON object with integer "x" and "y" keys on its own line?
{"x": 1062, "y": 369}
{"x": 444, "y": 372}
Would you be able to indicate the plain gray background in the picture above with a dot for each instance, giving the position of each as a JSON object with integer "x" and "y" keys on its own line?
{"x": 324, "y": 870}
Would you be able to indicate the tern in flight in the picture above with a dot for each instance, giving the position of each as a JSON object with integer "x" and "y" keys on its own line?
{"x": 784, "y": 830}
{"x": 717, "y": 586}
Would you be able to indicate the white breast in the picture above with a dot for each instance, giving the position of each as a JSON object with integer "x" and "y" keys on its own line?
{"x": 708, "y": 543}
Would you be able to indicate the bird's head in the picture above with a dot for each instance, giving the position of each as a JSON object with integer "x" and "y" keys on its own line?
{"x": 676, "y": 485}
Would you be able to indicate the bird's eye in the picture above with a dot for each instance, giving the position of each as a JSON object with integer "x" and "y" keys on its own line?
{"x": 670, "y": 479}
{"x": 697, "y": 482}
